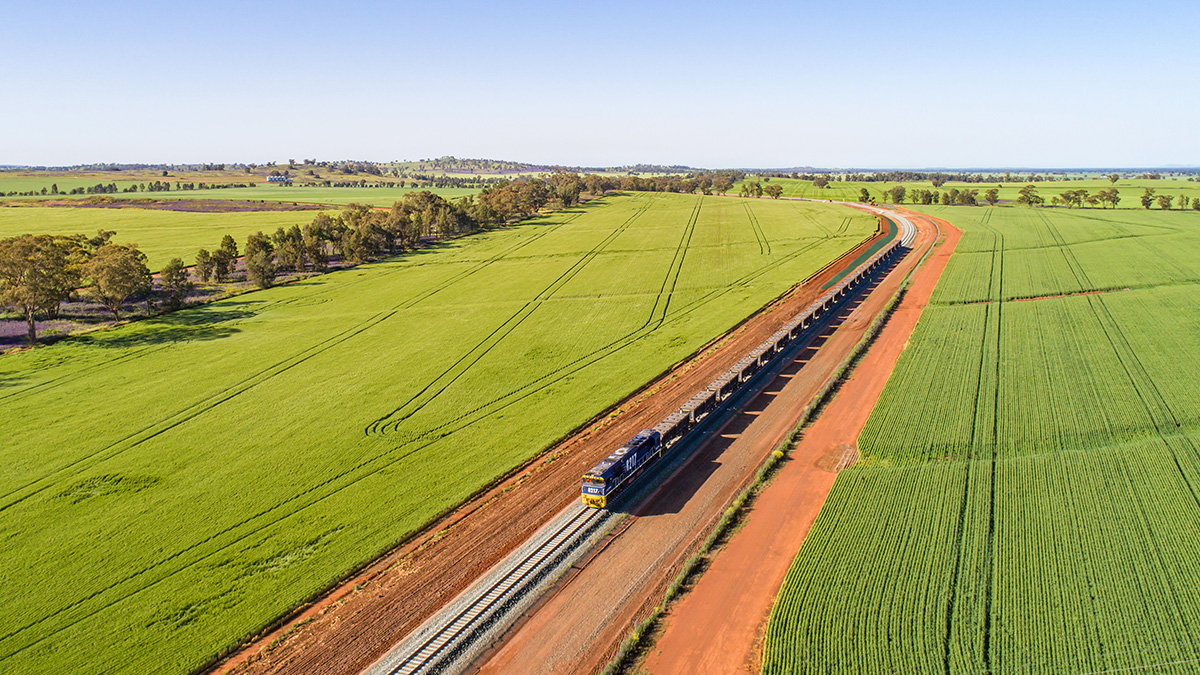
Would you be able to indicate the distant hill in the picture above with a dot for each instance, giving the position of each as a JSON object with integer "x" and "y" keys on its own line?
{"x": 455, "y": 165}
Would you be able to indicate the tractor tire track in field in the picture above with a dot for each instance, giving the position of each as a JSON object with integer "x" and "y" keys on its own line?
{"x": 816, "y": 222}
{"x": 1142, "y": 382}
{"x": 1182, "y": 274}
{"x": 671, "y": 278}
{"x": 468, "y": 418}
{"x": 132, "y": 440}
{"x": 678, "y": 313}
{"x": 1045, "y": 247}
{"x": 315, "y": 494}
{"x": 990, "y": 550}
{"x": 972, "y": 462}
{"x": 388, "y": 423}
{"x": 179, "y": 417}
{"x": 764, "y": 247}
{"x": 387, "y": 426}
{"x": 645, "y": 330}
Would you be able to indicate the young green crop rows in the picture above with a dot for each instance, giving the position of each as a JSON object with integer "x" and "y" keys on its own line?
{"x": 174, "y": 485}
{"x": 1028, "y": 498}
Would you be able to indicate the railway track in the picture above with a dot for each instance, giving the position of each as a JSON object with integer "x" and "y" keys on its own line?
{"x": 467, "y": 626}
{"x": 908, "y": 231}
{"x": 463, "y": 627}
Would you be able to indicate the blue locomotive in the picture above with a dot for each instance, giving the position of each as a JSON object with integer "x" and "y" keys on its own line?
{"x": 622, "y": 466}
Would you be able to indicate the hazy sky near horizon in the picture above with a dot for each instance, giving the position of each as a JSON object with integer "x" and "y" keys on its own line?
{"x": 768, "y": 84}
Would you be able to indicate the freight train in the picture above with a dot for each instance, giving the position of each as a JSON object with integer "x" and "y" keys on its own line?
{"x": 644, "y": 450}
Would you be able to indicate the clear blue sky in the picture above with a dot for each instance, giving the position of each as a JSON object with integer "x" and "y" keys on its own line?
{"x": 764, "y": 84}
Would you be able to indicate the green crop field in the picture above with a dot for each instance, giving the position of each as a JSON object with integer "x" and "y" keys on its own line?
{"x": 173, "y": 485}
{"x": 160, "y": 234}
{"x": 1028, "y": 494}
{"x": 1130, "y": 188}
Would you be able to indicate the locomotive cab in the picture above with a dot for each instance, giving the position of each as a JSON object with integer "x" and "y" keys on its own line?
{"x": 593, "y": 491}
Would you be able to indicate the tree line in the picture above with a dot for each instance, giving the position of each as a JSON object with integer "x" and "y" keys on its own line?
{"x": 358, "y": 234}
{"x": 1110, "y": 197}
{"x": 940, "y": 178}
{"x": 753, "y": 188}
{"x": 38, "y": 273}
{"x": 1029, "y": 196}
{"x": 1165, "y": 201}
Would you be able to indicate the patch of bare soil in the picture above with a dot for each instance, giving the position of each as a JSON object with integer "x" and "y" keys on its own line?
{"x": 837, "y": 458}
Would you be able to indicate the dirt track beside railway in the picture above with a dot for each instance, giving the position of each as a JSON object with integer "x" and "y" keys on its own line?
{"x": 363, "y": 618}
{"x": 719, "y": 625}
{"x": 579, "y": 627}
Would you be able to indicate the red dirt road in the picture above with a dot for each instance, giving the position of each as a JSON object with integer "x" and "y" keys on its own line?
{"x": 357, "y": 623}
{"x": 718, "y": 626}
{"x": 579, "y": 626}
